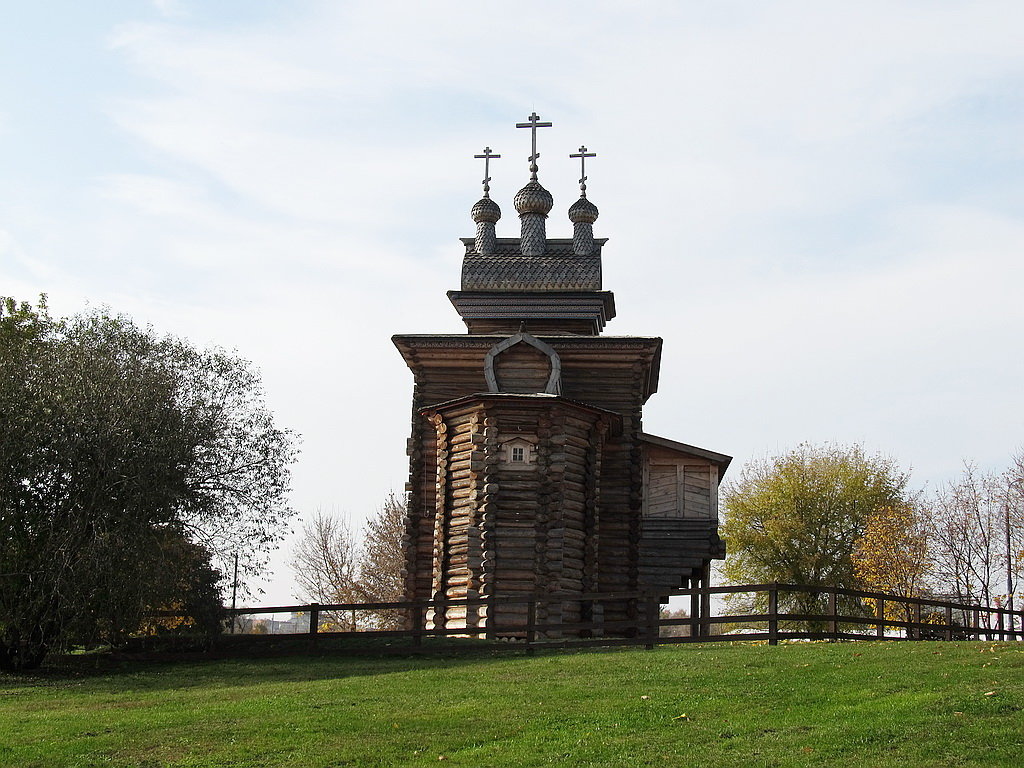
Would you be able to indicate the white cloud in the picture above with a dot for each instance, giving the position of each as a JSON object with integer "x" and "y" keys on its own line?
{"x": 170, "y": 8}
{"x": 766, "y": 174}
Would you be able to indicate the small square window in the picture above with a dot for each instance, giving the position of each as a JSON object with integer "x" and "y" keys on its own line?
{"x": 518, "y": 454}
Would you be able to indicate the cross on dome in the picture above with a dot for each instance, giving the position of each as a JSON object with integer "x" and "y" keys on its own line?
{"x": 583, "y": 155}
{"x": 533, "y": 124}
{"x": 486, "y": 157}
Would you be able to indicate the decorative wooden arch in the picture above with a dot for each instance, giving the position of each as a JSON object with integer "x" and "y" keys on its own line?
{"x": 554, "y": 384}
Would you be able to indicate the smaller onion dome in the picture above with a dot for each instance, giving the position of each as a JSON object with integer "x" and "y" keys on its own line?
{"x": 485, "y": 210}
{"x": 533, "y": 198}
{"x": 583, "y": 212}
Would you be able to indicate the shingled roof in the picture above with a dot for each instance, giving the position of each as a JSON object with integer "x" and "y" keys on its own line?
{"x": 508, "y": 270}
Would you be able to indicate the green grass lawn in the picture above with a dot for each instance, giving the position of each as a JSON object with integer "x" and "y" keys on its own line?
{"x": 856, "y": 704}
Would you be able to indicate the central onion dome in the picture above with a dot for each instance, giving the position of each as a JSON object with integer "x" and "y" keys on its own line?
{"x": 583, "y": 212}
{"x": 485, "y": 210}
{"x": 533, "y": 198}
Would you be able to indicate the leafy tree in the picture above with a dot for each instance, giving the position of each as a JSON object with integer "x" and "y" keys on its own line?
{"x": 894, "y": 555}
{"x": 382, "y": 561}
{"x": 795, "y": 518}
{"x": 185, "y": 582}
{"x": 113, "y": 441}
{"x": 382, "y": 558}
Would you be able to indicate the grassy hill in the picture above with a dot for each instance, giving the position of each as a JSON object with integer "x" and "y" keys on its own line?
{"x": 856, "y": 704}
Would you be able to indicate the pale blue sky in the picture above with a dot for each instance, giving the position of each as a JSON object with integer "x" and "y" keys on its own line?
{"x": 818, "y": 205}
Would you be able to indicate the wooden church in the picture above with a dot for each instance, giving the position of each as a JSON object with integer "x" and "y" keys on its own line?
{"x": 530, "y": 470}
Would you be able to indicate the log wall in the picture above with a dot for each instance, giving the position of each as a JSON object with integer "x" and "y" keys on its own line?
{"x": 574, "y": 521}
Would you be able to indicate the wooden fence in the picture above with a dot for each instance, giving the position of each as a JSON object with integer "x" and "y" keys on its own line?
{"x": 634, "y": 618}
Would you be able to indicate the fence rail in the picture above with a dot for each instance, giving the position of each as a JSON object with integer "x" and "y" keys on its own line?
{"x": 633, "y": 618}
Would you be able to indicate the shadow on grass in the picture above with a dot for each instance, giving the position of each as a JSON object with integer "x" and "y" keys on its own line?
{"x": 240, "y": 661}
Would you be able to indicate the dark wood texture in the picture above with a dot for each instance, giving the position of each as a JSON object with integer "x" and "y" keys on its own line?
{"x": 535, "y": 623}
{"x": 529, "y": 471}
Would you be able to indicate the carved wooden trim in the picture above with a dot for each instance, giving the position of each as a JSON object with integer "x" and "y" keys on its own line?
{"x": 547, "y": 566}
{"x": 440, "y": 519}
{"x": 554, "y": 385}
{"x": 592, "y": 520}
{"x": 488, "y": 508}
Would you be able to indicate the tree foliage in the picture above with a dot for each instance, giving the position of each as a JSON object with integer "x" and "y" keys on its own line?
{"x": 894, "y": 556}
{"x": 324, "y": 561}
{"x": 794, "y": 518}
{"x": 114, "y": 442}
{"x": 331, "y": 566}
{"x": 978, "y": 535}
{"x": 382, "y": 557}
{"x": 964, "y": 542}
{"x": 894, "y": 553}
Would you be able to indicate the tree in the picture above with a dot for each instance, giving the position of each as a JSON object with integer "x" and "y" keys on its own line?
{"x": 894, "y": 555}
{"x": 325, "y": 564}
{"x": 382, "y": 562}
{"x": 332, "y": 567}
{"x": 1014, "y": 527}
{"x": 979, "y": 536}
{"x": 114, "y": 440}
{"x": 382, "y": 558}
{"x": 186, "y": 582}
{"x": 794, "y": 518}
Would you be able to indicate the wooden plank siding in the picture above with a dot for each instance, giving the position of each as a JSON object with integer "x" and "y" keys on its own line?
{"x": 589, "y": 512}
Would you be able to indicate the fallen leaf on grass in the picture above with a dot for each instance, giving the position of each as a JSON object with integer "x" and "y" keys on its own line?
{"x": 645, "y": 697}
{"x": 991, "y": 693}
{"x": 683, "y": 716}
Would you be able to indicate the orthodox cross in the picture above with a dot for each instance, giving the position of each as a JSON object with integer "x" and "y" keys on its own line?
{"x": 583, "y": 155}
{"x": 486, "y": 157}
{"x": 533, "y": 125}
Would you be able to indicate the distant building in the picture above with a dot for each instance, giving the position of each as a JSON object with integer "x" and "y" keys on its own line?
{"x": 297, "y": 623}
{"x": 530, "y": 470}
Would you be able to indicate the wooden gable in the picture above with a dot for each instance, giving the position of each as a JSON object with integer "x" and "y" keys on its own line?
{"x": 680, "y": 481}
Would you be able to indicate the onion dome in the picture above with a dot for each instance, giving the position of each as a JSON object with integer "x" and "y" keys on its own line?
{"x": 533, "y": 198}
{"x": 485, "y": 210}
{"x": 583, "y": 212}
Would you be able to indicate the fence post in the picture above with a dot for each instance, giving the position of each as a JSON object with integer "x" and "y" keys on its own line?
{"x": 492, "y": 615}
{"x": 1000, "y": 625}
{"x": 417, "y": 625}
{"x": 833, "y": 613}
{"x": 880, "y": 615}
{"x": 976, "y": 619}
{"x": 949, "y": 622}
{"x": 531, "y": 624}
{"x": 314, "y": 622}
{"x": 652, "y": 610}
{"x": 917, "y": 621}
{"x": 705, "y": 601}
{"x": 773, "y": 614}
{"x": 694, "y": 610}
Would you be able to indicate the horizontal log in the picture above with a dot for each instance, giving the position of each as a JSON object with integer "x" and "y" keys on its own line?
{"x": 522, "y": 574}
{"x": 577, "y": 438}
